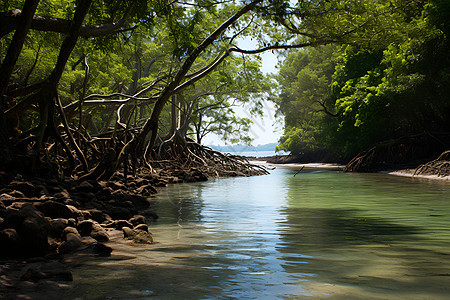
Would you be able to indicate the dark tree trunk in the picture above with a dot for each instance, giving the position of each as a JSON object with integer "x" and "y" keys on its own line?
{"x": 6, "y": 70}
{"x": 16, "y": 45}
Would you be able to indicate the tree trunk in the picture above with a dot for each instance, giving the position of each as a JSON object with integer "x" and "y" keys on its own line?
{"x": 48, "y": 93}
{"x": 16, "y": 45}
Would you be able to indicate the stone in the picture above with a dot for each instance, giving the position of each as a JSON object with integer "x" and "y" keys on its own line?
{"x": 10, "y": 244}
{"x": 54, "y": 210}
{"x": 137, "y": 219}
{"x": 27, "y": 188}
{"x": 72, "y": 240}
{"x": 138, "y": 236}
{"x": 119, "y": 224}
{"x": 102, "y": 249}
{"x": 64, "y": 194}
{"x": 119, "y": 213}
{"x": 75, "y": 212}
{"x": 146, "y": 190}
{"x": 85, "y": 227}
{"x": 32, "y": 228}
{"x": 98, "y": 215}
{"x": 99, "y": 233}
{"x": 71, "y": 230}
{"x": 143, "y": 227}
{"x": 34, "y": 234}
{"x": 57, "y": 226}
{"x": 143, "y": 237}
{"x": 85, "y": 187}
{"x": 128, "y": 232}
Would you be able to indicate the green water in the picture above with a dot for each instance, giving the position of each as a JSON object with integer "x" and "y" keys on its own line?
{"x": 320, "y": 234}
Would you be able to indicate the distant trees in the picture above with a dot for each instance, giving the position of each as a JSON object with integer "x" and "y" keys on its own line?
{"x": 394, "y": 86}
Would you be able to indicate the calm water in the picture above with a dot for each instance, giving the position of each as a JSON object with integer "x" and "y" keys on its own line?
{"x": 320, "y": 234}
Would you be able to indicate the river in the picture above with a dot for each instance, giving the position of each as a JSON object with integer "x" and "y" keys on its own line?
{"x": 320, "y": 235}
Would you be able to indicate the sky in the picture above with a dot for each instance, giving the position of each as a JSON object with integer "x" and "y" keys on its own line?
{"x": 263, "y": 130}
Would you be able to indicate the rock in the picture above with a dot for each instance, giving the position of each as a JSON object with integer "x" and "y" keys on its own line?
{"x": 64, "y": 194}
{"x": 138, "y": 236}
{"x": 137, "y": 219}
{"x": 34, "y": 234}
{"x": 119, "y": 224}
{"x": 116, "y": 185}
{"x": 98, "y": 215}
{"x": 146, "y": 190}
{"x": 72, "y": 230}
{"x": 143, "y": 227}
{"x": 143, "y": 237}
{"x": 119, "y": 213}
{"x": 161, "y": 183}
{"x": 10, "y": 243}
{"x": 99, "y": 233}
{"x": 41, "y": 190}
{"x": 85, "y": 187}
{"x": 27, "y": 188}
{"x": 128, "y": 232}
{"x": 85, "y": 227}
{"x": 75, "y": 212}
{"x": 72, "y": 240}
{"x": 57, "y": 227}
{"x": 32, "y": 228}
{"x": 102, "y": 249}
{"x": 55, "y": 210}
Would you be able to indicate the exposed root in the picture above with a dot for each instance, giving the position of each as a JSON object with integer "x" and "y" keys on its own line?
{"x": 399, "y": 151}
{"x": 439, "y": 166}
{"x": 211, "y": 163}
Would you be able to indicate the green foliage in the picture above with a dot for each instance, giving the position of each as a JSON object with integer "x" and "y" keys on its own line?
{"x": 304, "y": 79}
{"x": 378, "y": 91}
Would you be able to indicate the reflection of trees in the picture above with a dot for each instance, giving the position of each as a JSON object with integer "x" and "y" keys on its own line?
{"x": 322, "y": 228}
{"x": 181, "y": 203}
{"x": 352, "y": 253}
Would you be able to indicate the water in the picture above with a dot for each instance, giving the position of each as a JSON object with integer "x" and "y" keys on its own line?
{"x": 320, "y": 234}
{"x": 258, "y": 153}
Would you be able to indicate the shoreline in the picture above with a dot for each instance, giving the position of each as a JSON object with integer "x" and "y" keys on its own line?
{"x": 402, "y": 172}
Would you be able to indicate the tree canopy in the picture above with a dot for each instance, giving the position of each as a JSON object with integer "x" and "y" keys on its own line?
{"x": 353, "y": 95}
{"x": 87, "y": 77}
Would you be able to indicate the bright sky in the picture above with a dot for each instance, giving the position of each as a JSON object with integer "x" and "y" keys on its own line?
{"x": 264, "y": 130}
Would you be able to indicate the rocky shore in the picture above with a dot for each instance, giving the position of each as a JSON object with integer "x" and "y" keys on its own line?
{"x": 44, "y": 220}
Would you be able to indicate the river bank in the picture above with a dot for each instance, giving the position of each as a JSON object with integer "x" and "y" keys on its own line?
{"x": 422, "y": 169}
{"x": 86, "y": 223}
{"x": 322, "y": 234}
{"x": 50, "y": 225}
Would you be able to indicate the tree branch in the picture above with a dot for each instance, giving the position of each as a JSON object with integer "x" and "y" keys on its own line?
{"x": 9, "y": 22}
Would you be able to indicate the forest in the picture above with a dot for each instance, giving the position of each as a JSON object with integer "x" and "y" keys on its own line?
{"x": 101, "y": 101}
{"x": 89, "y": 87}
{"x": 384, "y": 95}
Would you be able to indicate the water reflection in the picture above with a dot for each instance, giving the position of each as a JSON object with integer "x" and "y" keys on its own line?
{"x": 320, "y": 234}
